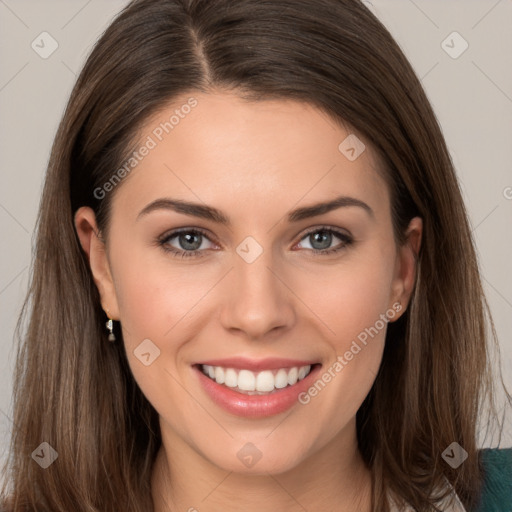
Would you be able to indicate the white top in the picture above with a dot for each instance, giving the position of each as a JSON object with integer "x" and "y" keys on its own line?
{"x": 451, "y": 503}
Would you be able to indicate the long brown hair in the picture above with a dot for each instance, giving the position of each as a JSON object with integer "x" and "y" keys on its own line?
{"x": 75, "y": 391}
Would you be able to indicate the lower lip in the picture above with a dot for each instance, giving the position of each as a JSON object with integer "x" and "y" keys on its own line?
{"x": 255, "y": 406}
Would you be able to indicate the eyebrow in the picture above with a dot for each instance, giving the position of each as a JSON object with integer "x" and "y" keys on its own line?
{"x": 215, "y": 215}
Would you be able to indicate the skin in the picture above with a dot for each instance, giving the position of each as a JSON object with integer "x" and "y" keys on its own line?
{"x": 254, "y": 161}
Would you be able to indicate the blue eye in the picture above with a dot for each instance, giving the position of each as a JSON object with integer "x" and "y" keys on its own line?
{"x": 323, "y": 237}
{"x": 190, "y": 241}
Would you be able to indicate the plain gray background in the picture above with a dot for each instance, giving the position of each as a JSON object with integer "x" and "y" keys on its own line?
{"x": 471, "y": 95}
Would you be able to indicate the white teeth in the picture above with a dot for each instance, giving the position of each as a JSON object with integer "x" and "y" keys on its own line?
{"x": 265, "y": 381}
{"x": 281, "y": 379}
{"x": 250, "y": 382}
{"x": 219, "y": 375}
{"x": 231, "y": 378}
{"x": 293, "y": 375}
{"x": 246, "y": 380}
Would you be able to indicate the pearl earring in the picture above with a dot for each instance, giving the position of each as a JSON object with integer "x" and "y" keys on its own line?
{"x": 110, "y": 327}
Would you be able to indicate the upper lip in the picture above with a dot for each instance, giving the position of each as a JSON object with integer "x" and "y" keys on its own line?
{"x": 243, "y": 363}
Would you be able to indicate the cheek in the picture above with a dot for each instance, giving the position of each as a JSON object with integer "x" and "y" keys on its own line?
{"x": 350, "y": 296}
{"x": 156, "y": 303}
{"x": 355, "y": 311}
{"x": 352, "y": 301}
{"x": 155, "y": 293}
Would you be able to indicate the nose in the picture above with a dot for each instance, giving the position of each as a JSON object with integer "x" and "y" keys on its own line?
{"x": 259, "y": 301}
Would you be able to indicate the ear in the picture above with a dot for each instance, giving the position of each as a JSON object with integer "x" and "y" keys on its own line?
{"x": 406, "y": 265}
{"x": 94, "y": 247}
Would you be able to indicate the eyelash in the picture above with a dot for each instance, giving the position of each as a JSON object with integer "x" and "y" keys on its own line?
{"x": 347, "y": 240}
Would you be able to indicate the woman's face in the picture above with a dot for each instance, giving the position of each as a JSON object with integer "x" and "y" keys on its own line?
{"x": 285, "y": 260}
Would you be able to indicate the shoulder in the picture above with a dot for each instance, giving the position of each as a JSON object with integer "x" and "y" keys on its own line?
{"x": 497, "y": 484}
{"x": 496, "y": 494}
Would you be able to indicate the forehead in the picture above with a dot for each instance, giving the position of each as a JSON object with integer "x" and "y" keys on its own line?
{"x": 223, "y": 150}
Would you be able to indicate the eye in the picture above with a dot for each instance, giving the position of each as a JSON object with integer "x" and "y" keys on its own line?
{"x": 320, "y": 240}
{"x": 188, "y": 242}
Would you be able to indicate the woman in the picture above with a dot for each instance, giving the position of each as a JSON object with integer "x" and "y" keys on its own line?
{"x": 255, "y": 286}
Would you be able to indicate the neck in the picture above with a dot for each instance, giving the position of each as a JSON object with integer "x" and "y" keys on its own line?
{"x": 334, "y": 478}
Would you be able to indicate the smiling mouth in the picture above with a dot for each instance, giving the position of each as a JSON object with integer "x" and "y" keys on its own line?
{"x": 256, "y": 383}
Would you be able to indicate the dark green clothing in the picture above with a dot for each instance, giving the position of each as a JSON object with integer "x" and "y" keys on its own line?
{"x": 497, "y": 487}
